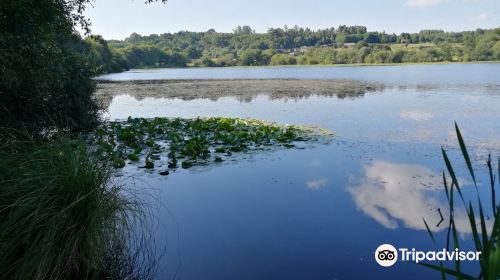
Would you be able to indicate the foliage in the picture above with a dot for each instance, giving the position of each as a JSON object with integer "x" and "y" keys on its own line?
{"x": 192, "y": 141}
{"x": 285, "y": 46}
{"x": 103, "y": 58}
{"x": 60, "y": 218}
{"x": 151, "y": 56}
{"x": 486, "y": 240}
{"x": 46, "y": 68}
{"x": 44, "y": 81}
{"x": 283, "y": 59}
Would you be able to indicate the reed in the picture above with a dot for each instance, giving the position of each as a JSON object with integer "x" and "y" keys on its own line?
{"x": 61, "y": 216}
{"x": 486, "y": 239}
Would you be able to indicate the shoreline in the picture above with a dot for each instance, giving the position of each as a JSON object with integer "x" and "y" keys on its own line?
{"x": 311, "y": 65}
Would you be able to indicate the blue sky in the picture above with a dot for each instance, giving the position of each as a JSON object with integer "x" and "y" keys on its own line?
{"x": 116, "y": 19}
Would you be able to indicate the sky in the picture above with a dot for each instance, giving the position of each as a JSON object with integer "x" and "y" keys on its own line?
{"x": 117, "y": 19}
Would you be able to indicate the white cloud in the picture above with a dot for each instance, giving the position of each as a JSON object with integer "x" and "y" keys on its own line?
{"x": 430, "y": 3}
{"x": 316, "y": 184}
{"x": 314, "y": 163}
{"x": 483, "y": 17}
{"x": 416, "y": 115}
{"x": 422, "y": 3}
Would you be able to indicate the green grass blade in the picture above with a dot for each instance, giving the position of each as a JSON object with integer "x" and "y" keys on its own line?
{"x": 495, "y": 231}
{"x": 494, "y": 264}
{"x": 465, "y": 154}
{"x": 452, "y": 174}
{"x": 451, "y": 205}
{"x": 492, "y": 185}
{"x": 475, "y": 234}
{"x": 484, "y": 232}
{"x": 448, "y": 271}
{"x": 443, "y": 273}
{"x": 446, "y": 187}
{"x": 429, "y": 231}
{"x": 456, "y": 245}
{"x": 480, "y": 247}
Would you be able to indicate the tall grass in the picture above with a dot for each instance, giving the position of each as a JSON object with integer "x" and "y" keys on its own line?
{"x": 62, "y": 218}
{"x": 486, "y": 238}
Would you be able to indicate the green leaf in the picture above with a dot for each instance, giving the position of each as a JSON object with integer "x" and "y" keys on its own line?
{"x": 446, "y": 187}
{"x": 449, "y": 271}
{"x": 118, "y": 163}
{"x": 465, "y": 154}
{"x": 456, "y": 245}
{"x": 494, "y": 264}
{"x": 484, "y": 232}
{"x": 475, "y": 234}
{"x": 429, "y": 231}
{"x": 133, "y": 157}
{"x": 149, "y": 164}
{"x": 452, "y": 174}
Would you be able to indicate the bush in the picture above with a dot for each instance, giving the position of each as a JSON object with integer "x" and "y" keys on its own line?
{"x": 379, "y": 57}
{"x": 283, "y": 59}
{"x": 44, "y": 81}
{"x": 59, "y": 216}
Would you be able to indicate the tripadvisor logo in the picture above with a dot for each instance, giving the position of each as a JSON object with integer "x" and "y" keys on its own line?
{"x": 387, "y": 255}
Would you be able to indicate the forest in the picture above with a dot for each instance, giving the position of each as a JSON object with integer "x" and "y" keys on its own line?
{"x": 291, "y": 46}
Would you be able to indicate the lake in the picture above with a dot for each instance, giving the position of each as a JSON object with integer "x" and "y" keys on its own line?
{"x": 320, "y": 212}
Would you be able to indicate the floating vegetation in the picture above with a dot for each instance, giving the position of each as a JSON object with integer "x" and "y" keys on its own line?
{"x": 189, "y": 142}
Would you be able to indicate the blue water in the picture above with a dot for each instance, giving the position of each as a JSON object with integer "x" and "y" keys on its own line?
{"x": 320, "y": 212}
{"x": 470, "y": 74}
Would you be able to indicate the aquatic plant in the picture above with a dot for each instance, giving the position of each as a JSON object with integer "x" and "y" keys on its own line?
{"x": 61, "y": 218}
{"x": 190, "y": 142}
{"x": 486, "y": 237}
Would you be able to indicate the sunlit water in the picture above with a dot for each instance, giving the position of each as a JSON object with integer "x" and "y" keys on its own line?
{"x": 320, "y": 212}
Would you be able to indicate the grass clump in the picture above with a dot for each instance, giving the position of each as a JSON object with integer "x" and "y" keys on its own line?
{"x": 486, "y": 238}
{"x": 190, "y": 142}
{"x": 60, "y": 218}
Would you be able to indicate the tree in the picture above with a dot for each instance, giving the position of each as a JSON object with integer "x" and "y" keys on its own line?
{"x": 243, "y": 30}
{"x": 45, "y": 79}
{"x": 372, "y": 38}
{"x": 253, "y": 57}
{"x": 44, "y": 82}
{"x": 496, "y": 50}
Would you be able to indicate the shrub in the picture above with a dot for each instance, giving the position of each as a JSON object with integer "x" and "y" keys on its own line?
{"x": 283, "y": 59}
{"x": 44, "y": 81}
{"x": 59, "y": 216}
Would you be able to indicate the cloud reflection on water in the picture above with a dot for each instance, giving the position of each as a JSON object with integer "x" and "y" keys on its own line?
{"x": 416, "y": 115}
{"x": 316, "y": 184}
{"x": 402, "y": 194}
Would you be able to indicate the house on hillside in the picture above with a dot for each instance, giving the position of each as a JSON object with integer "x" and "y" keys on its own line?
{"x": 349, "y": 45}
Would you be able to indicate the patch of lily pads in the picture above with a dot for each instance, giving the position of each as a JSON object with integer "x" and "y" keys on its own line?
{"x": 190, "y": 142}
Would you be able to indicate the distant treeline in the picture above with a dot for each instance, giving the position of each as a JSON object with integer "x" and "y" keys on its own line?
{"x": 289, "y": 46}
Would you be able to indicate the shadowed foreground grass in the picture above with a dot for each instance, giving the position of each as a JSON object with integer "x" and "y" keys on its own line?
{"x": 62, "y": 218}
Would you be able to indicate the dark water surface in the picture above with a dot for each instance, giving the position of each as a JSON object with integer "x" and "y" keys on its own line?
{"x": 320, "y": 212}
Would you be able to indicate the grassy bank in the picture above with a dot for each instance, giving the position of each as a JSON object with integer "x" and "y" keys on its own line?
{"x": 188, "y": 66}
{"x": 335, "y": 65}
{"x": 61, "y": 216}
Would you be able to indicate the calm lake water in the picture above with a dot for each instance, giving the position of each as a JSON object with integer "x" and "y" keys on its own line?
{"x": 320, "y": 212}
